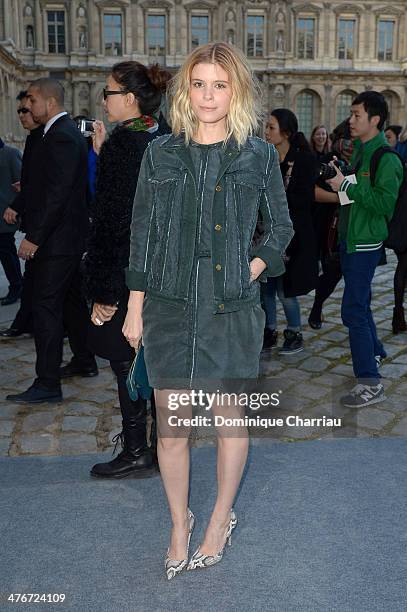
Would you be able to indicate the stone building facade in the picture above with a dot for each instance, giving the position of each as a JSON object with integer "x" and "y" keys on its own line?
{"x": 312, "y": 57}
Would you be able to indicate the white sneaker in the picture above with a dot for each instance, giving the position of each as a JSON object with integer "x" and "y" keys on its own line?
{"x": 363, "y": 395}
{"x": 379, "y": 360}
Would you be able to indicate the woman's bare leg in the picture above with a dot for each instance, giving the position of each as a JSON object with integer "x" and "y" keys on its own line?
{"x": 173, "y": 458}
{"x": 233, "y": 444}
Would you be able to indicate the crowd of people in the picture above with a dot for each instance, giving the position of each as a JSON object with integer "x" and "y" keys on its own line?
{"x": 182, "y": 228}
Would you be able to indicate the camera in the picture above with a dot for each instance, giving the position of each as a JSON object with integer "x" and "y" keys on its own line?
{"x": 85, "y": 126}
{"x": 326, "y": 172}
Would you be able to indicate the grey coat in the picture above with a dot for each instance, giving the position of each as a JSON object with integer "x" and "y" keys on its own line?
{"x": 10, "y": 172}
{"x": 163, "y": 231}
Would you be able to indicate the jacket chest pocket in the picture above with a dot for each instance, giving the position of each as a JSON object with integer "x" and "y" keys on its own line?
{"x": 166, "y": 183}
{"x": 168, "y": 188}
{"x": 245, "y": 189}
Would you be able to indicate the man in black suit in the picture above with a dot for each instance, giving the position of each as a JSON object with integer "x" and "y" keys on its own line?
{"x": 23, "y": 320}
{"x": 55, "y": 221}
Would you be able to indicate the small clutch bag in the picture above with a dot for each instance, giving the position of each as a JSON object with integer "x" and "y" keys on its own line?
{"x": 137, "y": 379}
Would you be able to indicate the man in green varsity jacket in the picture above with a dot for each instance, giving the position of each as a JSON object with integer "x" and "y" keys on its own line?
{"x": 364, "y": 214}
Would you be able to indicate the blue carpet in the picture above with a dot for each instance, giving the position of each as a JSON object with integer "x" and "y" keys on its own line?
{"x": 322, "y": 528}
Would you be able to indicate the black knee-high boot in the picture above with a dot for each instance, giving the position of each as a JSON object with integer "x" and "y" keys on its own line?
{"x": 136, "y": 458}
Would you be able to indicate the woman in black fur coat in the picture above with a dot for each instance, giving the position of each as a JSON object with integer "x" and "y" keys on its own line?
{"x": 132, "y": 94}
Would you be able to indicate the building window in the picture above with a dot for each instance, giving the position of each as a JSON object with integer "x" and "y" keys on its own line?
{"x": 305, "y": 38}
{"x": 305, "y": 112}
{"x": 385, "y": 41}
{"x": 56, "y": 31}
{"x": 346, "y": 39}
{"x": 156, "y": 39}
{"x": 112, "y": 29}
{"x": 343, "y": 104}
{"x": 199, "y": 30}
{"x": 255, "y": 35}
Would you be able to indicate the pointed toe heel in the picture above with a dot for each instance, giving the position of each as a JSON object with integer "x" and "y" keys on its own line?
{"x": 198, "y": 560}
{"x": 173, "y": 567}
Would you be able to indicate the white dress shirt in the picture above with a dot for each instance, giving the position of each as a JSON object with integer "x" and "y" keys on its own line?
{"x": 52, "y": 121}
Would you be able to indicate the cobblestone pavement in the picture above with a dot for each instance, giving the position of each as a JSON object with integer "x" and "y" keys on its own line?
{"x": 313, "y": 380}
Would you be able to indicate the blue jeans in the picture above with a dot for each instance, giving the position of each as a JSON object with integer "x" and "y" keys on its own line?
{"x": 290, "y": 304}
{"x": 358, "y": 270}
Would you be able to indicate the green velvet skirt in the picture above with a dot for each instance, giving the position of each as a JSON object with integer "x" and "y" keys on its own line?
{"x": 187, "y": 346}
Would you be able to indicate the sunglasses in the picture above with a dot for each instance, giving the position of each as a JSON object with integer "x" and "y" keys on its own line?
{"x": 24, "y": 111}
{"x": 110, "y": 92}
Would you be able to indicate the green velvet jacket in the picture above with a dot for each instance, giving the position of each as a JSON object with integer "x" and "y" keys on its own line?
{"x": 249, "y": 189}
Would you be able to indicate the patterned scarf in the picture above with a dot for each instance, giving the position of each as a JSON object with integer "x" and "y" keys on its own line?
{"x": 145, "y": 123}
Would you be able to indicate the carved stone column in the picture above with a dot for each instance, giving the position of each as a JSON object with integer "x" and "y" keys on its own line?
{"x": 7, "y": 19}
{"x": 39, "y": 34}
{"x": 72, "y": 34}
{"x": 328, "y": 112}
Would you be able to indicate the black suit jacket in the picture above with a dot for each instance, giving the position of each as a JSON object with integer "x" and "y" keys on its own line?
{"x": 33, "y": 139}
{"x": 56, "y": 216}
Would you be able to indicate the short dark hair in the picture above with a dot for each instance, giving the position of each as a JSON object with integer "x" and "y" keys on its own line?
{"x": 396, "y": 129}
{"x": 374, "y": 104}
{"x": 22, "y": 94}
{"x": 50, "y": 88}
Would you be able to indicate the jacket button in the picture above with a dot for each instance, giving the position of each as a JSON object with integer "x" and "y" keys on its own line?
{"x": 218, "y": 188}
{"x": 221, "y": 306}
{"x": 218, "y": 267}
{"x": 218, "y": 227}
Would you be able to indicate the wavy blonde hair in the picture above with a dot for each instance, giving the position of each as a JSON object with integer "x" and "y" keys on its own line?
{"x": 244, "y": 114}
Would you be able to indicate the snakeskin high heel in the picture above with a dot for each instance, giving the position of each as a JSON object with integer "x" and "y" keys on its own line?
{"x": 173, "y": 567}
{"x": 198, "y": 560}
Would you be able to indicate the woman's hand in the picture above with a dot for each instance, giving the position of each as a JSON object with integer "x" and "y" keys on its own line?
{"x": 10, "y": 215}
{"x": 257, "y": 266}
{"x": 98, "y": 136}
{"x": 102, "y": 313}
{"x": 133, "y": 328}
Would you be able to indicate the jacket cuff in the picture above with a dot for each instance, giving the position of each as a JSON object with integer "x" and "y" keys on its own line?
{"x": 350, "y": 190}
{"x": 346, "y": 186}
{"x": 274, "y": 261}
{"x": 34, "y": 238}
{"x": 136, "y": 281}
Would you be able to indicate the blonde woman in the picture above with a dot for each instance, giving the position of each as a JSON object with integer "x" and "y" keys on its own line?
{"x": 193, "y": 272}
{"x": 319, "y": 141}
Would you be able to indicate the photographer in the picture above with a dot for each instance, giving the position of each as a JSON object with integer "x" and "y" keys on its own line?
{"x": 325, "y": 217}
{"x": 364, "y": 213}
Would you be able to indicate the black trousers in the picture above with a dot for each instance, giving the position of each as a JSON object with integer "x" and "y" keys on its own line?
{"x": 23, "y": 320}
{"x": 327, "y": 281}
{"x": 10, "y": 261}
{"x": 400, "y": 280}
{"x": 76, "y": 321}
{"x": 51, "y": 278}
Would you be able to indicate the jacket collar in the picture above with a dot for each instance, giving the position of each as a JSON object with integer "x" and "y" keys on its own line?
{"x": 177, "y": 143}
{"x": 371, "y": 145}
{"x": 53, "y": 120}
